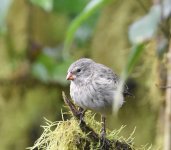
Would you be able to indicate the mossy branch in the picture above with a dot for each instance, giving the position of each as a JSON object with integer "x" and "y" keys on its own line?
{"x": 108, "y": 144}
{"x": 77, "y": 134}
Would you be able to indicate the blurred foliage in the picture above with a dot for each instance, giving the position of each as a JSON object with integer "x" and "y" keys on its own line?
{"x": 72, "y": 8}
{"x": 40, "y": 38}
{"x": 47, "y": 69}
{"x": 5, "y": 5}
{"x": 145, "y": 28}
{"x": 47, "y": 5}
{"x": 91, "y": 8}
{"x": 134, "y": 56}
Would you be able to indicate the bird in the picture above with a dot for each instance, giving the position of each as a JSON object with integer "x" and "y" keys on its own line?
{"x": 93, "y": 87}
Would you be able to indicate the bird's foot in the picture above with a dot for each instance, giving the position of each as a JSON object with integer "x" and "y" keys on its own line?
{"x": 103, "y": 143}
{"x": 81, "y": 113}
{"x": 103, "y": 140}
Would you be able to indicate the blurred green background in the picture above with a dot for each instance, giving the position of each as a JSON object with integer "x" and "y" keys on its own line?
{"x": 39, "y": 39}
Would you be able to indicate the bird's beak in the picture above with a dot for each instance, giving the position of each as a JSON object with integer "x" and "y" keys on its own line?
{"x": 70, "y": 76}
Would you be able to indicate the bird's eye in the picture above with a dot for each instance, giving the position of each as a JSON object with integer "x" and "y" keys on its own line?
{"x": 78, "y": 70}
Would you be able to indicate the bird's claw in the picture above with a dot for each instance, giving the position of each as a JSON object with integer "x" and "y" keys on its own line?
{"x": 103, "y": 143}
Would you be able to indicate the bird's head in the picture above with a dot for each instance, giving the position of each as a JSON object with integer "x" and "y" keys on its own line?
{"x": 80, "y": 70}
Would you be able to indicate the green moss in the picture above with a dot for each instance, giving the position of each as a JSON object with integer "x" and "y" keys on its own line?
{"x": 68, "y": 136}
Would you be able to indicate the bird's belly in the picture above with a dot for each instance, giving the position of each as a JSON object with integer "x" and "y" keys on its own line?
{"x": 88, "y": 98}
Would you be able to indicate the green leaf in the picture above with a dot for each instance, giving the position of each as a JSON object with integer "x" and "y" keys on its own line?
{"x": 47, "y": 69}
{"x": 85, "y": 31}
{"x": 60, "y": 71}
{"x": 47, "y": 5}
{"x": 145, "y": 28}
{"x": 40, "y": 72}
{"x": 132, "y": 59}
{"x": 72, "y": 7}
{"x": 91, "y": 7}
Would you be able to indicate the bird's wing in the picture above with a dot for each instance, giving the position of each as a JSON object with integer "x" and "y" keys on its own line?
{"x": 109, "y": 75}
{"x": 106, "y": 75}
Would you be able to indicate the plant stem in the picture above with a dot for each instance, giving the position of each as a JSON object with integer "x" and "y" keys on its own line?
{"x": 167, "y": 128}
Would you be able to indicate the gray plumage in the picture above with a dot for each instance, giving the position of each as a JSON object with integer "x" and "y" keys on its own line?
{"x": 93, "y": 85}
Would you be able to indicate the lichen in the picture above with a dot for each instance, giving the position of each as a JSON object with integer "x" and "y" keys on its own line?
{"x": 66, "y": 135}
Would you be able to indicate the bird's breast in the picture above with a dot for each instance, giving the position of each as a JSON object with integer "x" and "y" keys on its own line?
{"x": 81, "y": 95}
{"x": 89, "y": 96}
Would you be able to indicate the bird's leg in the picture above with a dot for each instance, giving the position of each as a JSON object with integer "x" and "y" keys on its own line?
{"x": 103, "y": 131}
{"x": 81, "y": 113}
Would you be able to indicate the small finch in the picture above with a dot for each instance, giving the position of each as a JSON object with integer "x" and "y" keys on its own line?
{"x": 93, "y": 86}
